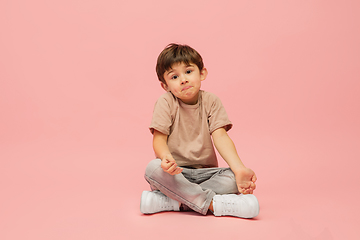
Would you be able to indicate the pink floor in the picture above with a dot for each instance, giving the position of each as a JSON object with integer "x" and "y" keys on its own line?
{"x": 57, "y": 190}
{"x": 77, "y": 88}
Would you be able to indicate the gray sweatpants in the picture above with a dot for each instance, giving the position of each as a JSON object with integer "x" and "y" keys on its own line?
{"x": 194, "y": 188}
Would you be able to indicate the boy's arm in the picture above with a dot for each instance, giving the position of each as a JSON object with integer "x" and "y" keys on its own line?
{"x": 162, "y": 151}
{"x": 245, "y": 177}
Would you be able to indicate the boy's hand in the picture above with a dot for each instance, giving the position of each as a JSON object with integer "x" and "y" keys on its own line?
{"x": 169, "y": 165}
{"x": 245, "y": 180}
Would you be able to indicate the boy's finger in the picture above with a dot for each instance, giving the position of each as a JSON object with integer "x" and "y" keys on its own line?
{"x": 254, "y": 178}
{"x": 178, "y": 170}
{"x": 169, "y": 164}
{"x": 247, "y": 191}
{"x": 170, "y": 159}
{"x": 172, "y": 168}
{"x": 166, "y": 165}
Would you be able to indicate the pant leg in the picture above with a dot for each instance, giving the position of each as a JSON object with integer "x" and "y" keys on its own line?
{"x": 222, "y": 181}
{"x": 179, "y": 188}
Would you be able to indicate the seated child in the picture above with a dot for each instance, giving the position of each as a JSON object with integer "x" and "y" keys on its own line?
{"x": 186, "y": 123}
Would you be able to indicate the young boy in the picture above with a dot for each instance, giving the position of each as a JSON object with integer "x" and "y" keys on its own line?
{"x": 185, "y": 174}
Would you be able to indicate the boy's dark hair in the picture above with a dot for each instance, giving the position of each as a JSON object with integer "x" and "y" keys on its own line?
{"x": 176, "y": 53}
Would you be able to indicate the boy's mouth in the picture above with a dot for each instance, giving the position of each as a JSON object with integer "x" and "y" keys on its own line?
{"x": 186, "y": 88}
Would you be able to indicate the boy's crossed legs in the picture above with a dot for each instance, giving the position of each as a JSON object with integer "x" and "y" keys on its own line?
{"x": 198, "y": 189}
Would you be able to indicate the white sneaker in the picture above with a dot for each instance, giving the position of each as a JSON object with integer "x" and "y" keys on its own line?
{"x": 244, "y": 206}
{"x": 155, "y": 201}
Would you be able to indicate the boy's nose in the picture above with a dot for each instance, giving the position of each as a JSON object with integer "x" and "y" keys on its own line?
{"x": 183, "y": 79}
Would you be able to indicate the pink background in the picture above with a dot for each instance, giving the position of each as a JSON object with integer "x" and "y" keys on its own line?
{"x": 77, "y": 89}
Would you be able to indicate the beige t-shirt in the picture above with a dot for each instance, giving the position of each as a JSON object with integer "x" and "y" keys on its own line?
{"x": 189, "y": 127}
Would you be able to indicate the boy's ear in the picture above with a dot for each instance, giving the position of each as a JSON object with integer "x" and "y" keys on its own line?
{"x": 203, "y": 74}
{"x": 164, "y": 86}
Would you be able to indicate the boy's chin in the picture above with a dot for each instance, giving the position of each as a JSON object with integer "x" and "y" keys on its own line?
{"x": 190, "y": 101}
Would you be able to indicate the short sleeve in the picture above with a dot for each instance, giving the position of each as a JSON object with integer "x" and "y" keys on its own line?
{"x": 217, "y": 116}
{"x": 161, "y": 119}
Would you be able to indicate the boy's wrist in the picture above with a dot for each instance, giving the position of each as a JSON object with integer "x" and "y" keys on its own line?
{"x": 238, "y": 168}
{"x": 165, "y": 155}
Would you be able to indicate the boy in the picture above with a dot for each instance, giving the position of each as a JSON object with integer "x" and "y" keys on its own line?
{"x": 185, "y": 174}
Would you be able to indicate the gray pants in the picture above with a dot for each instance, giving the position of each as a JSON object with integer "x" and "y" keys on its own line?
{"x": 194, "y": 188}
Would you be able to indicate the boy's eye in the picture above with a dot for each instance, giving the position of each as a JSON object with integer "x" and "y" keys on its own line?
{"x": 174, "y": 77}
{"x": 188, "y": 71}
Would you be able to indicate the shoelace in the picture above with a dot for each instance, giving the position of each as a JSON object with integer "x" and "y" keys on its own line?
{"x": 231, "y": 205}
{"x": 164, "y": 203}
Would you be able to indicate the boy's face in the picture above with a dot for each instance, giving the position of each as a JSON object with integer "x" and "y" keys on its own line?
{"x": 184, "y": 81}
